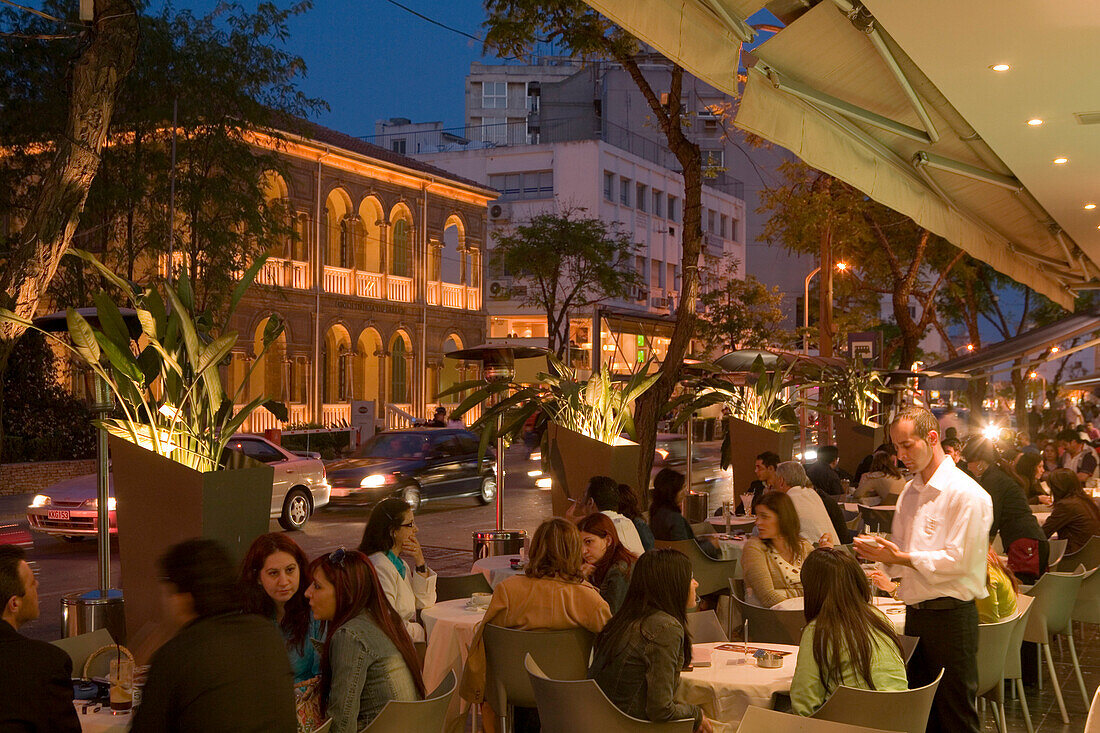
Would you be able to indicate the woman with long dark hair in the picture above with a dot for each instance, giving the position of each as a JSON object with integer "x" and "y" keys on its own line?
{"x": 883, "y": 480}
{"x": 368, "y": 658}
{"x": 628, "y": 507}
{"x": 607, "y": 563}
{"x": 847, "y": 641}
{"x": 1029, "y": 469}
{"x": 1074, "y": 516}
{"x": 638, "y": 656}
{"x": 665, "y": 518}
{"x": 1021, "y": 535}
{"x": 391, "y": 531}
{"x": 772, "y": 561}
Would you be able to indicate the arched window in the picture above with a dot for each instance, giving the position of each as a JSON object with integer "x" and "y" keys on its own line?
{"x": 401, "y": 264}
{"x": 399, "y": 384}
{"x": 345, "y": 243}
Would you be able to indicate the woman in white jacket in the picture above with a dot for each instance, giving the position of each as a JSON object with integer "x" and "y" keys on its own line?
{"x": 390, "y": 532}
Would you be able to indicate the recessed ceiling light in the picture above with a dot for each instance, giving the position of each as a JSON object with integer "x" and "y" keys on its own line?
{"x": 1000, "y": 67}
{"x": 1061, "y": 161}
{"x": 1090, "y": 207}
{"x": 1034, "y": 122}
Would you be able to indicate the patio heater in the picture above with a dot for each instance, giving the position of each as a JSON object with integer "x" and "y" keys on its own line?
{"x": 85, "y": 611}
{"x": 498, "y": 365}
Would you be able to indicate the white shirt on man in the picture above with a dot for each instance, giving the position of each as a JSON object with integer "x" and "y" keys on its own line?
{"x": 628, "y": 533}
{"x": 812, "y": 515}
{"x": 944, "y": 526}
{"x": 406, "y": 594}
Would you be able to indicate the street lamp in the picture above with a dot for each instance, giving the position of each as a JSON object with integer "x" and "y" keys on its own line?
{"x": 841, "y": 267}
{"x": 497, "y": 365}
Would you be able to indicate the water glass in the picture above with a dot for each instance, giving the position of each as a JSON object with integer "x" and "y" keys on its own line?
{"x": 121, "y": 679}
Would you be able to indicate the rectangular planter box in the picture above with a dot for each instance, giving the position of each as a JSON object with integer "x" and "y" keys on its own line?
{"x": 161, "y": 503}
{"x": 855, "y": 441}
{"x": 747, "y": 441}
{"x": 575, "y": 458}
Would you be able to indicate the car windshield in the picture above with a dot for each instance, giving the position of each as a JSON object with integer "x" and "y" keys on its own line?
{"x": 395, "y": 445}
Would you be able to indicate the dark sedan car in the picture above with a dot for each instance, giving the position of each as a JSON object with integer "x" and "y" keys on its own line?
{"x": 416, "y": 465}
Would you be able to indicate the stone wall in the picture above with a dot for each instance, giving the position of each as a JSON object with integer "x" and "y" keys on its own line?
{"x": 22, "y": 478}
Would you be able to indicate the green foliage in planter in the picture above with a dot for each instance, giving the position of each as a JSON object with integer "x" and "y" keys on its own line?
{"x": 169, "y": 391}
{"x": 851, "y": 391}
{"x": 42, "y": 421}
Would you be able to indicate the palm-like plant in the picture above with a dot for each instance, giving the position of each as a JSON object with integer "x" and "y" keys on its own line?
{"x": 168, "y": 388}
{"x": 851, "y": 391}
{"x": 599, "y": 407}
{"x": 762, "y": 400}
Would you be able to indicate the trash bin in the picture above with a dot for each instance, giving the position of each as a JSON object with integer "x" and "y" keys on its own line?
{"x": 490, "y": 542}
{"x": 85, "y": 611}
{"x": 696, "y": 506}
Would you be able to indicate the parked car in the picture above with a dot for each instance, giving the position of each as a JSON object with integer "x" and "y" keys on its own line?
{"x": 416, "y": 465}
{"x": 69, "y": 508}
{"x": 671, "y": 452}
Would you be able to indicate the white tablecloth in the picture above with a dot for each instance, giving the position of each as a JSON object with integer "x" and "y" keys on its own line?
{"x": 450, "y": 627}
{"x": 894, "y": 610}
{"x": 735, "y": 522}
{"x": 728, "y": 547}
{"x": 496, "y": 568}
{"x": 103, "y": 721}
{"x": 730, "y": 684}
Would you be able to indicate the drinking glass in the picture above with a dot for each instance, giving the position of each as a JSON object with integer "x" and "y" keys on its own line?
{"x": 121, "y": 679}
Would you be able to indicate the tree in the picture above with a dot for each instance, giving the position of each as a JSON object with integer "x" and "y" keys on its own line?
{"x": 740, "y": 312}
{"x": 569, "y": 261}
{"x": 515, "y": 28}
{"x": 891, "y": 255}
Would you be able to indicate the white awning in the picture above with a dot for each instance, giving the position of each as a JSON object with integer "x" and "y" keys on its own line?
{"x": 836, "y": 88}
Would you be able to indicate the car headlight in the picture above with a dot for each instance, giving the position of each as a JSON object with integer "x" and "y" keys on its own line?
{"x": 376, "y": 480}
{"x": 111, "y": 503}
{"x": 40, "y": 500}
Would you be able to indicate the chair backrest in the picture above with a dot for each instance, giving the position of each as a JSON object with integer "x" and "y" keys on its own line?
{"x": 80, "y": 647}
{"x": 428, "y": 715}
{"x": 855, "y": 525}
{"x": 1013, "y": 668}
{"x": 764, "y": 719}
{"x": 563, "y": 654}
{"x": 460, "y": 586}
{"x": 1086, "y": 609}
{"x": 908, "y": 646}
{"x": 769, "y": 625}
{"x": 580, "y": 705}
{"x": 1092, "y": 723}
{"x": 704, "y": 627}
{"x": 711, "y": 575}
{"x": 993, "y": 644}
{"x": 905, "y": 711}
{"x": 1089, "y": 556}
{"x": 1054, "y": 594}
{"x": 1057, "y": 552}
{"x": 870, "y": 519}
{"x": 325, "y": 727}
{"x": 699, "y": 528}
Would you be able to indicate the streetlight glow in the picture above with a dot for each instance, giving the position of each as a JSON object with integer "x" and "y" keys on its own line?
{"x": 842, "y": 266}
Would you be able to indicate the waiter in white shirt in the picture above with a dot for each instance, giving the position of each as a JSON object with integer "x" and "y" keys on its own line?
{"x": 941, "y": 538}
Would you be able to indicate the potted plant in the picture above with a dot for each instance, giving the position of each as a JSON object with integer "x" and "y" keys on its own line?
{"x": 851, "y": 394}
{"x": 173, "y": 478}
{"x": 583, "y": 422}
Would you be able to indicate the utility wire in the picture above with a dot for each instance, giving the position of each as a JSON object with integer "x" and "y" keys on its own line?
{"x": 40, "y": 14}
{"x": 433, "y": 21}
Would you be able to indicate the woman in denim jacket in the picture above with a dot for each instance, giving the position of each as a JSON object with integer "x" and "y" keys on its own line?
{"x": 368, "y": 658}
{"x": 639, "y": 654}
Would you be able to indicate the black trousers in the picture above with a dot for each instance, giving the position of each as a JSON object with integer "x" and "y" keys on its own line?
{"x": 948, "y": 641}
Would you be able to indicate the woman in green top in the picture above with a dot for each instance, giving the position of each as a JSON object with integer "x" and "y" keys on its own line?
{"x": 1003, "y": 587}
{"x": 847, "y": 641}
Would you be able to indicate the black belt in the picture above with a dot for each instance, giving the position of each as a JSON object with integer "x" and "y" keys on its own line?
{"x": 943, "y": 603}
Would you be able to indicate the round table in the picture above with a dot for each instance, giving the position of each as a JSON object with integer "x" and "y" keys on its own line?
{"x": 729, "y": 546}
{"x": 496, "y": 568}
{"x": 894, "y": 610}
{"x": 726, "y": 688}
{"x": 103, "y": 721}
{"x": 450, "y": 628}
{"x": 736, "y": 522}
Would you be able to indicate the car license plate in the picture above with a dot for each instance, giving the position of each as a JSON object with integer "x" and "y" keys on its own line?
{"x": 57, "y": 514}
{"x": 339, "y": 492}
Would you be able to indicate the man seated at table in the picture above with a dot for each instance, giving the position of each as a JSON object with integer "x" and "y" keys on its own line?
{"x": 764, "y": 469}
{"x": 813, "y": 518}
{"x": 36, "y": 689}
{"x": 224, "y": 670}
{"x": 822, "y": 472}
{"x": 603, "y": 496}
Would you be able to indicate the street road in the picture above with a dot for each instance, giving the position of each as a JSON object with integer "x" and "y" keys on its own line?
{"x": 445, "y": 530}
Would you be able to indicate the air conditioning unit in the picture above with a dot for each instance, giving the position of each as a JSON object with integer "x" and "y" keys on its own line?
{"x": 500, "y": 212}
{"x": 639, "y": 293}
{"x": 671, "y": 231}
{"x": 500, "y": 289}
{"x": 661, "y": 302}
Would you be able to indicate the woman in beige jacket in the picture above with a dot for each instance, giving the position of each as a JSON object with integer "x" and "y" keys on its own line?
{"x": 773, "y": 561}
{"x": 552, "y": 594}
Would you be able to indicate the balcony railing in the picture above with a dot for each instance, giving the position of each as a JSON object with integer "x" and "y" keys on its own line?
{"x": 336, "y": 414}
{"x": 368, "y": 284}
{"x": 433, "y": 293}
{"x": 473, "y": 299}
{"x": 282, "y": 273}
{"x": 261, "y": 420}
{"x": 337, "y": 280}
{"x": 452, "y": 296}
{"x": 399, "y": 288}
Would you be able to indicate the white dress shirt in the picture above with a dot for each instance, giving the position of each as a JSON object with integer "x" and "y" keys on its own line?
{"x": 407, "y": 594}
{"x": 812, "y": 515}
{"x": 944, "y": 526}
{"x": 628, "y": 533}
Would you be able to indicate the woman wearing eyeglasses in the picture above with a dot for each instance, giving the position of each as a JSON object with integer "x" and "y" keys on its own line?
{"x": 391, "y": 531}
{"x": 367, "y": 658}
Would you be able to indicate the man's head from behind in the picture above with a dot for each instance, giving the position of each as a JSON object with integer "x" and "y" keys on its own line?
{"x": 199, "y": 580}
{"x": 790, "y": 474}
{"x": 18, "y": 587}
{"x": 603, "y": 492}
{"x": 765, "y": 466}
{"x": 828, "y": 454}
